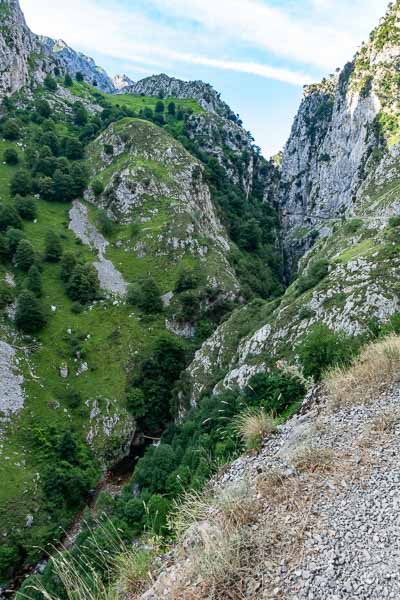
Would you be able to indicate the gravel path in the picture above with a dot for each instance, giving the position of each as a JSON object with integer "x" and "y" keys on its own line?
{"x": 329, "y": 530}
{"x": 110, "y": 278}
{"x": 11, "y": 392}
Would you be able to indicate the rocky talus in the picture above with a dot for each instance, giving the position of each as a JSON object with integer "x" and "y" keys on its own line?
{"x": 314, "y": 516}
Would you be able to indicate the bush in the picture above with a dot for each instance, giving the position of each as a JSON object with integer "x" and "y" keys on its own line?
{"x": 26, "y": 207}
{"x": 21, "y": 183}
{"x": 68, "y": 263}
{"x": 6, "y": 295}
{"x": 83, "y": 284}
{"x": 323, "y": 349}
{"x": 394, "y": 221}
{"x": 11, "y": 156}
{"x": 53, "y": 247}
{"x": 43, "y": 108}
{"x": 146, "y": 296}
{"x": 13, "y": 237}
{"x": 188, "y": 279}
{"x": 104, "y": 223}
{"x": 29, "y": 316}
{"x": 11, "y": 130}
{"x": 9, "y": 218}
{"x": 160, "y": 107}
{"x": 24, "y": 255}
{"x": 315, "y": 273}
{"x": 79, "y": 77}
{"x": 274, "y": 391}
{"x": 157, "y": 514}
{"x": 97, "y": 187}
{"x": 153, "y": 469}
{"x": 68, "y": 80}
{"x": 50, "y": 83}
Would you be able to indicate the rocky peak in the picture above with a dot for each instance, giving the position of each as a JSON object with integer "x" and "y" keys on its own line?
{"x": 164, "y": 86}
{"x": 75, "y": 62}
{"x": 121, "y": 82}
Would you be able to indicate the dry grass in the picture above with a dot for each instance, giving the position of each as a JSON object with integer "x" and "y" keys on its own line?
{"x": 377, "y": 368}
{"x": 313, "y": 460}
{"x": 253, "y": 426}
{"x": 386, "y": 422}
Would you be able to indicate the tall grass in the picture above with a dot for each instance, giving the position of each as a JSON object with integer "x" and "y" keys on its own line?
{"x": 373, "y": 371}
{"x": 252, "y": 426}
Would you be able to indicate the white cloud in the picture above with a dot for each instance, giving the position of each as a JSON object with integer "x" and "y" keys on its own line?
{"x": 312, "y": 35}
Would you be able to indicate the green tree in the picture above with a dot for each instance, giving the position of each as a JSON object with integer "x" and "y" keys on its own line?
{"x": 171, "y": 109}
{"x": 13, "y": 237}
{"x": 160, "y": 107}
{"x": 73, "y": 148}
{"x": 29, "y": 315}
{"x": 97, "y": 187}
{"x": 136, "y": 402}
{"x": 26, "y": 207}
{"x": 11, "y": 156}
{"x": 9, "y": 218}
{"x": 81, "y": 115}
{"x": 146, "y": 296}
{"x": 50, "y": 83}
{"x": 21, "y": 183}
{"x": 11, "y": 130}
{"x": 153, "y": 469}
{"x": 104, "y": 222}
{"x": 79, "y": 77}
{"x": 68, "y": 263}
{"x": 43, "y": 108}
{"x": 24, "y": 255}
{"x": 68, "y": 80}
{"x": 34, "y": 281}
{"x": 53, "y": 247}
{"x": 83, "y": 284}
{"x": 62, "y": 186}
{"x": 80, "y": 179}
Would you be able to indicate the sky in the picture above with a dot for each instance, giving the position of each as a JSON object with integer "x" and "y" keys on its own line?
{"x": 257, "y": 53}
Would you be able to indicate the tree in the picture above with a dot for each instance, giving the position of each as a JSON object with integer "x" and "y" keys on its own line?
{"x": 50, "y": 83}
{"x": 171, "y": 108}
{"x": 21, "y": 183}
{"x": 83, "y": 284}
{"x": 34, "y": 281}
{"x": 97, "y": 187}
{"x": 68, "y": 263}
{"x": 146, "y": 296}
{"x": 152, "y": 470}
{"x": 50, "y": 140}
{"x": 136, "y": 402}
{"x": 104, "y": 222}
{"x": 188, "y": 279}
{"x": 11, "y": 130}
{"x": 29, "y": 315}
{"x": 13, "y": 237}
{"x": 26, "y": 207}
{"x": 80, "y": 178}
{"x": 11, "y": 156}
{"x": 68, "y": 80}
{"x": 62, "y": 186}
{"x": 43, "y": 108}
{"x": 24, "y": 255}
{"x": 79, "y": 77}
{"x": 73, "y": 148}
{"x": 80, "y": 114}
{"x": 160, "y": 107}
{"x": 53, "y": 247}
{"x": 9, "y": 218}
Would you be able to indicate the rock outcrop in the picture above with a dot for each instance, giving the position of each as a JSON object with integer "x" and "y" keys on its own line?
{"x": 121, "y": 82}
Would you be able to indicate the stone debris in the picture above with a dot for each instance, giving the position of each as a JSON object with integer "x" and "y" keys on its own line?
{"x": 11, "y": 381}
{"x": 110, "y": 278}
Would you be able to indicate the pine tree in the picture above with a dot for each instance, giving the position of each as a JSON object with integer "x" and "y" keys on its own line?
{"x": 29, "y": 316}
{"x": 53, "y": 247}
{"x": 34, "y": 281}
{"x": 68, "y": 80}
{"x": 24, "y": 255}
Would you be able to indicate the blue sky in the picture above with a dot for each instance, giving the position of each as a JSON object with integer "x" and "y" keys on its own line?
{"x": 257, "y": 53}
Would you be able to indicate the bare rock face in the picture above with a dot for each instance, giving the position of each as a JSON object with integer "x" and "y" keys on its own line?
{"x": 338, "y": 139}
{"x": 17, "y": 43}
{"x": 73, "y": 62}
{"x": 164, "y": 86}
{"x": 121, "y": 82}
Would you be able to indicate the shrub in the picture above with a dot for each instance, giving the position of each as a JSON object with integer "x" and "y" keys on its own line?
{"x": 68, "y": 80}
{"x": 83, "y": 284}
{"x": 24, "y": 255}
{"x": 188, "y": 279}
{"x": 160, "y": 107}
{"x": 21, "y": 183}
{"x": 6, "y": 295}
{"x": 104, "y": 223}
{"x": 26, "y": 207}
{"x": 11, "y": 156}
{"x": 53, "y": 247}
{"x": 153, "y": 469}
{"x": 156, "y": 514}
{"x": 97, "y": 187}
{"x": 394, "y": 221}
{"x": 50, "y": 83}
{"x": 323, "y": 349}
{"x": 253, "y": 426}
{"x": 29, "y": 316}
{"x": 68, "y": 263}
{"x": 9, "y": 218}
{"x": 43, "y": 108}
{"x": 11, "y": 130}
{"x": 275, "y": 391}
{"x": 79, "y": 77}
{"x": 315, "y": 273}
{"x": 146, "y": 296}
{"x": 13, "y": 237}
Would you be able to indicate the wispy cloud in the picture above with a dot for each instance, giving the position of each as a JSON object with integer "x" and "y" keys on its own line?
{"x": 287, "y": 41}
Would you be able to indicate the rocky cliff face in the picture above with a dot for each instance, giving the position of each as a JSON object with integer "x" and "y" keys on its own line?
{"x": 121, "y": 81}
{"x": 341, "y": 133}
{"x": 17, "y": 45}
{"x": 164, "y": 86}
{"x": 72, "y": 62}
